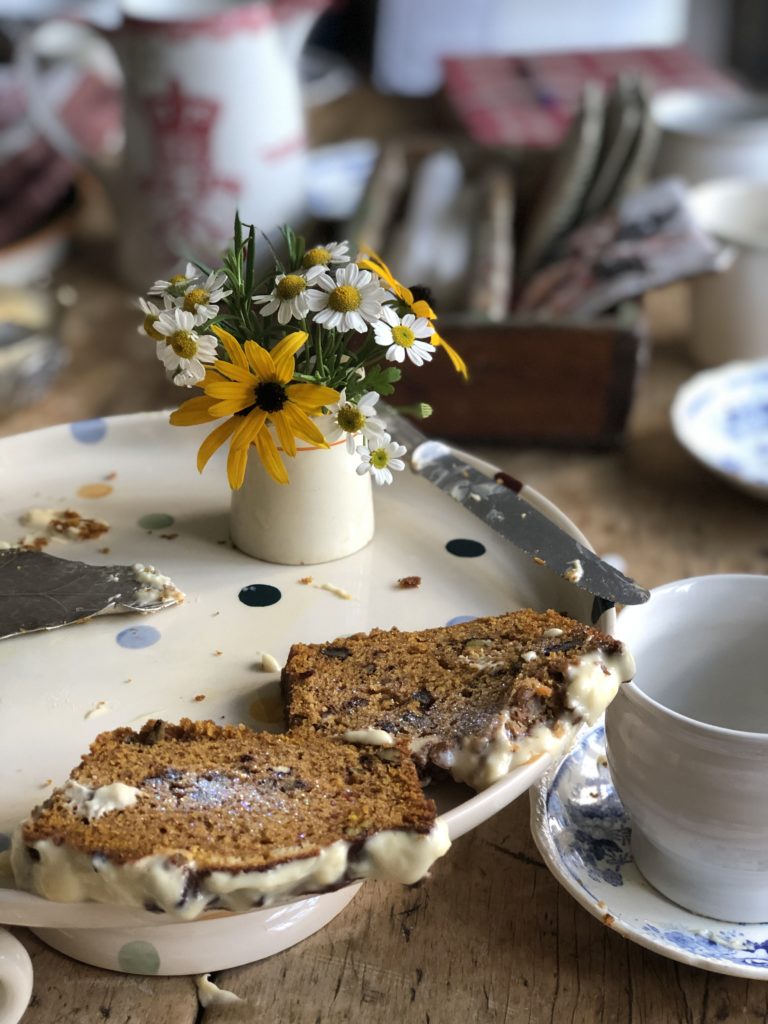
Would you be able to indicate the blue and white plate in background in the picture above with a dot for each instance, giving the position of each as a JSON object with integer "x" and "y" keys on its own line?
{"x": 583, "y": 833}
{"x": 721, "y": 417}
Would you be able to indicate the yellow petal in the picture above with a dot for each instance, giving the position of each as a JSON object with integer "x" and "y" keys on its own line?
{"x": 232, "y": 347}
{"x": 270, "y": 457}
{"x": 227, "y": 407}
{"x": 193, "y": 411}
{"x": 422, "y": 308}
{"x": 303, "y": 427}
{"x": 283, "y": 353}
{"x": 311, "y": 397}
{"x": 213, "y": 442}
{"x": 232, "y": 372}
{"x": 284, "y": 435}
{"x": 261, "y": 361}
{"x": 377, "y": 265}
{"x": 237, "y": 460}
{"x": 248, "y": 428}
{"x": 458, "y": 363}
{"x": 232, "y": 390}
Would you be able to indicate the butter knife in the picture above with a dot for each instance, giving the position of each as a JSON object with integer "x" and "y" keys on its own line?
{"x": 500, "y": 503}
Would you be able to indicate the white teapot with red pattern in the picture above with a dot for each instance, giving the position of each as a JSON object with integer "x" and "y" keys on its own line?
{"x": 212, "y": 121}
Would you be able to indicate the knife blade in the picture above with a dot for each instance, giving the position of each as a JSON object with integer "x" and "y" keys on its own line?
{"x": 498, "y": 503}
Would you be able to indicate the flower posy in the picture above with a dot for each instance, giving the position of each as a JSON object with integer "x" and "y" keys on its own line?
{"x": 318, "y": 336}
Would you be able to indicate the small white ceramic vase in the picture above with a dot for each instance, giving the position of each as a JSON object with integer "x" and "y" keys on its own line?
{"x": 325, "y": 512}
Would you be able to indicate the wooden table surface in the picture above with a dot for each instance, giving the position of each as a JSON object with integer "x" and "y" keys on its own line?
{"x": 491, "y": 937}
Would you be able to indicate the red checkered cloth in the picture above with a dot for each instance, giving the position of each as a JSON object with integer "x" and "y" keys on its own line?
{"x": 528, "y": 101}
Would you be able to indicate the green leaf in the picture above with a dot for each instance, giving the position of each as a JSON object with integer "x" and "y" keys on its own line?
{"x": 381, "y": 379}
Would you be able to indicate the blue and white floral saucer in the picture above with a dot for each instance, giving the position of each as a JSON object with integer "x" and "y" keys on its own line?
{"x": 721, "y": 417}
{"x": 583, "y": 833}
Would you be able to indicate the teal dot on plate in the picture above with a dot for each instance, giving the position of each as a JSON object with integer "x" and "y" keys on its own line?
{"x": 5, "y": 842}
{"x": 259, "y": 595}
{"x": 460, "y": 618}
{"x": 156, "y": 521}
{"x": 88, "y": 431}
{"x": 138, "y": 957}
{"x": 463, "y": 548}
{"x": 138, "y": 636}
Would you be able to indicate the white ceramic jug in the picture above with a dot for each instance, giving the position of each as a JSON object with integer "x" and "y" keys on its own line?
{"x": 213, "y": 121}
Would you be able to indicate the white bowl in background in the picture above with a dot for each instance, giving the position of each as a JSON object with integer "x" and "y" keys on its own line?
{"x": 708, "y": 134}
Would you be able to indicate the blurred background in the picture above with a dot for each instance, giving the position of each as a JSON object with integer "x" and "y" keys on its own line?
{"x": 581, "y": 186}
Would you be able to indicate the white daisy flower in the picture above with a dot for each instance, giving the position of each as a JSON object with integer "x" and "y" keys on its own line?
{"x": 177, "y": 285}
{"x": 182, "y": 348}
{"x": 292, "y": 298}
{"x": 352, "y": 418}
{"x": 404, "y": 336}
{"x": 323, "y": 255}
{"x": 380, "y": 461}
{"x": 352, "y": 299}
{"x": 202, "y": 298}
{"x": 151, "y": 313}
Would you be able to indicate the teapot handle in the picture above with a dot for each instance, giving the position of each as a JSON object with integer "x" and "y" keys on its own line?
{"x": 61, "y": 43}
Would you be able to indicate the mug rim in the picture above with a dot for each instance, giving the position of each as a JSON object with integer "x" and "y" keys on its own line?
{"x": 633, "y": 691}
{"x": 705, "y": 103}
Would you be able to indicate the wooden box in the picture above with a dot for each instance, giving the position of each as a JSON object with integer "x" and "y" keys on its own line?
{"x": 556, "y": 383}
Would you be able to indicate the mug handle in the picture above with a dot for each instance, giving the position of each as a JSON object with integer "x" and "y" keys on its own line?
{"x": 15, "y": 979}
{"x": 61, "y": 41}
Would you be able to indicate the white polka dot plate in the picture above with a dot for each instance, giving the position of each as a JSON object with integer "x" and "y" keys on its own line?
{"x": 203, "y": 658}
{"x": 583, "y": 833}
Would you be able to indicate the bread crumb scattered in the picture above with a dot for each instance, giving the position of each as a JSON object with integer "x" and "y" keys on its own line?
{"x": 213, "y": 616}
{"x": 198, "y": 698}
{"x": 305, "y": 580}
{"x": 111, "y": 476}
{"x": 609, "y": 920}
{"x": 409, "y": 582}
{"x": 217, "y": 654}
{"x": 169, "y": 536}
{"x": 104, "y": 551}
{"x": 46, "y": 784}
{"x": 539, "y": 561}
{"x": 99, "y": 708}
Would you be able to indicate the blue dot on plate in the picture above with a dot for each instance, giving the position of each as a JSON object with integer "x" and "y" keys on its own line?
{"x": 5, "y": 842}
{"x": 138, "y": 636}
{"x": 463, "y": 548}
{"x": 88, "y": 431}
{"x": 259, "y": 595}
{"x": 460, "y": 618}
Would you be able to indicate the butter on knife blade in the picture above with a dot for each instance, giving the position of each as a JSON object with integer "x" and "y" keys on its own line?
{"x": 508, "y": 513}
{"x": 40, "y": 591}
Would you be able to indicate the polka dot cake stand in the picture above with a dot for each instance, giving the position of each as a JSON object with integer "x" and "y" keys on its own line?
{"x": 205, "y": 658}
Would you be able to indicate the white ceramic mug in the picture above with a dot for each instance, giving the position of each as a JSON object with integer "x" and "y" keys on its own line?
{"x": 729, "y": 310}
{"x": 706, "y": 134}
{"x": 688, "y": 743}
{"x": 213, "y": 120}
{"x": 15, "y": 979}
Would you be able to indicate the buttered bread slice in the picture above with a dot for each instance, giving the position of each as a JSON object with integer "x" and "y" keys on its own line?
{"x": 181, "y": 818}
{"x": 474, "y": 700}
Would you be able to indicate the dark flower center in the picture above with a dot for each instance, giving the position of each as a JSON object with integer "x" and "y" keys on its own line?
{"x": 421, "y": 293}
{"x": 270, "y": 396}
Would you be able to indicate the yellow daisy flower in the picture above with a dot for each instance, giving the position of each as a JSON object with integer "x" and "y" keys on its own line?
{"x": 419, "y": 307}
{"x": 252, "y": 390}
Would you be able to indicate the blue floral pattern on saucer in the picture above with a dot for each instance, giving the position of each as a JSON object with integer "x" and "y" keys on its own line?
{"x": 583, "y": 833}
{"x": 721, "y": 417}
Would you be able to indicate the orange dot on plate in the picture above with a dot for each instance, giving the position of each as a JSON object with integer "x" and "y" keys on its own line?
{"x": 94, "y": 490}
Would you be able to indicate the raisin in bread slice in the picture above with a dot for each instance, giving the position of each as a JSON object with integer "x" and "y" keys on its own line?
{"x": 474, "y": 699}
{"x": 180, "y": 818}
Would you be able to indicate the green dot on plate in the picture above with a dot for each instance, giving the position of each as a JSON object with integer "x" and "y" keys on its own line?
{"x": 156, "y": 521}
{"x": 138, "y": 958}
